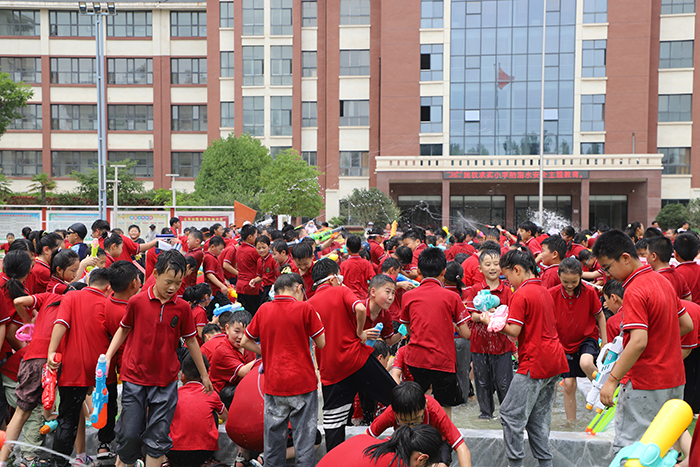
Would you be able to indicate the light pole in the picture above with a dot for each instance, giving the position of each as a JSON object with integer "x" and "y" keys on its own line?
{"x": 172, "y": 187}
{"x": 116, "y": 191}
{"x": 541, "y": 187}
{"x": 98, "y": 10}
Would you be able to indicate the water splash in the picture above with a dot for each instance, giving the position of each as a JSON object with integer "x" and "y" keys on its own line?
{"x": 550, "y": 219}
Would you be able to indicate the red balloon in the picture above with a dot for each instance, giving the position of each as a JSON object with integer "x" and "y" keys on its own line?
{"x": 245, "y": 424}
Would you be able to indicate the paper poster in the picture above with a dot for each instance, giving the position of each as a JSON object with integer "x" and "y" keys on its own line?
{"x": 143, "y": 220}
{"x": 64, "y": 219}
{"x": 200, "y": 220}
{"x": 14, "y": 221}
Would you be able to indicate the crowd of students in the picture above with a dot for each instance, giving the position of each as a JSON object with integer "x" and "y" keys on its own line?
{"x": 311, "y": 306}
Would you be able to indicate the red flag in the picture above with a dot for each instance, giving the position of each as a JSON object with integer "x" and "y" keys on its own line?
{"x": 503, "y": 78}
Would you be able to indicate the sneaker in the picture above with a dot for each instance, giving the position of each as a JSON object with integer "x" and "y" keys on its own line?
{"x": 105, "y": 459}
{"x": 87, "y": 462}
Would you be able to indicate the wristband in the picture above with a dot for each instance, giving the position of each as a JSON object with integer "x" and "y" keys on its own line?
{"x": 615, "y": 377}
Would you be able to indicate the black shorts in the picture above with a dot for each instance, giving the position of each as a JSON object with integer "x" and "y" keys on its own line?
{"x": 589, "y": 346}
{"x": 445, "y": 385}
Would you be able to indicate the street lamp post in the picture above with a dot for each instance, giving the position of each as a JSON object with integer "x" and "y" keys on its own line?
{"x": 98, "y": 10}
{"x": 116, "y": 191}
{"x": 172, "y": 187}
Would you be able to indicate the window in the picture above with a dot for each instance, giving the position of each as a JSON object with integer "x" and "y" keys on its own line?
{"x": 675, "y": 107}
{"x": 594, "y": 53}
{"x": 354, "y": 164}
{"x": 308, "y": 64}
{"x": 19, "y": 23}
{"x": 676, "y": 54}
{"x": 431, "y": 14}
{"x": 431, "y": 62}
{"x": 431, "y": 149}
{"x": 354, "y": 63}
{"x": 592, "y": 148}
{"x": 226, "y": 14}
{"x": 188, "y": 71}
{"x": 186, "y": 163}
{"x": 431, "y": 114}
{"x": 71, "y": 24}
{"x": 526, "y": 206}
{"x": 64, "y": 163}
{"x": 130, "y": 24}
{"x": 281, "y": 65}
{"x": 129, "y": 71}
{"x": 309, "y": 13}
{"x": 227, "y": 65}
{"x": 593, "y": 112}
{"x": 253, "y": 60}
{"x": 144, "y": 161}
{"x": 308, "y": 114}
{"x": 595, "y": 11}
{"x": 254, "y": 115}
{"x": 73, "y": 71}
{"x": 354, "y": 113}
{"x": 281, "y": 17}
{"x": 188, "y": 24}
{"x": 309, "y": 157}
{"x": 22, "y": 69}
{"x": 130, "y": 117}
{"x": 676, "y": 161}
{"x": 20, "y": 163}
{"x": 275, "y": 150}
{"x": 253, "y": 17}
{"x": 483, "y": 209}
{"x": 227, "y": 114}
{"x": 31, "y": 118}
{"x": 74, "y": 117}
{"x": 189, "y": 118}
{"x": 608, "y": 209}
{"x": 354, "y": 11}
{"x": 672, "y": 7}
{"x": 281, "y": 116}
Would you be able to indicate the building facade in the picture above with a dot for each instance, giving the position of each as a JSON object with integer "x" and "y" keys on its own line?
{"x": 436, "y": 102}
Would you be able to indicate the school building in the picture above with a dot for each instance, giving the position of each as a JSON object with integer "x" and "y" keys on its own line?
{"x": 435, "y": 102}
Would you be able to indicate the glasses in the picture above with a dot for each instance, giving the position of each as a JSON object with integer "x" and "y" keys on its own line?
{"x": 69, "y": 232}
{"x": 606, "y": 269}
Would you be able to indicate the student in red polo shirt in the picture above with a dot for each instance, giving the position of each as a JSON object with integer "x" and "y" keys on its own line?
{"x": 213, "y": 273}
{"x": 194, "y": 249}
{"x": 65, "y": 267}
{"x": 267, "y": 268}
{"x": 376, "y": 251}
{"x": 344, "y": 363}
{"x": 227, "y": 258}
{"x": 382, "y": 290}
{"x": 356, "y": 271}
{"x": 472, "y": 270}
{"x": 303, "y": 255}
{"x": 461, "y": 236}
{"x": 528, "y": 404}
{"x": 198, "y": 296}
{"x": 527, "y": 231}
{"x": 613, "y": 294}
{"x": 45, "y": 247}
{"x": 247, "y": 266}
{"x": 659, "y": 252}
{"x": 430, "y": 313}
{"x": 152, "y": 326}
{"x": 580, "y": 323}
{"x": 81, "y": 332}
{"x": 414, "y": 240}
{"x": 6, "y": 246}
{"x": 230, "y": 362}
{"x": 280, "y": 253}
{"x": 100, "y": 230}
{"x": 553, "y": 252}
{"x": 686, "y": 248}
{"x": 113, "y": 246}
{"x": 210, "y": 346}
{"x": 283, "y": 328}
{"x": 652, "y": 339}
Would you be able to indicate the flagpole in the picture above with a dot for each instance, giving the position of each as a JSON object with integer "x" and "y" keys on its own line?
{"x": 544, "y": 35}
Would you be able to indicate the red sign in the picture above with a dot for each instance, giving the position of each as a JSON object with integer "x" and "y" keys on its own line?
{"x": 514, "y": 175}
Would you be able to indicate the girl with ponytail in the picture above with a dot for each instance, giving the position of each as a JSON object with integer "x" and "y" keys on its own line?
{"x": 198, "y": 296}
{"x": 46, "y": 244}
{"x": 15, "y": 270}
{"x": 65, "y": 268}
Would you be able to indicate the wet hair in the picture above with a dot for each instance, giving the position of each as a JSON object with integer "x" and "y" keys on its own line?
{"x": 569, "y": 231}
{"x": 490, "y": 245}
{"x": 263, "y": 239}
{"x": 529, "y": 226}
{"x": 114, "y": 239}
{"x": 686, "y": 246}
{"x": 662, "y": 246}
{"x": 652, "y": 232}
{"x": 303, "y": 251}
{"x": 189, "y": 368}
{"x": 404, "y": 254}
{"x": 459, "y": 234}
{"x": 406, "y": 439}
{"x": 455, "y": 273}
{"x": 613, "y": 244}
{"x": 432, "y": 262}
{"x": 390, "y": 263}
{"x": 492, "y": 233}
{"x": 612, "y": 287}
{"x": 280, "y": 246}
{"x": 171, "y": 260}
{"x": 380, "y": 349}
{"x": 408, "y": 398}
{"x": 461, "y": 257}
{"x": 196, "y": 293}
{"x": 288, "y": 281}
{"x": 524, "y": 259}
{"x": 324, "y": 268}
{"x": 354, "y": 244}
{"x": 134, "y": 226}
{"x": 489, "y": 253}
{"x": 216, "y": 241}
{"x": 22, "y": 244}
{"x": 224, "y": 318}
{"x": 124, "y": 273}
{"x": 211, "y": 328}
{"x": 240, "y": 316}
{"x": 248, "y": 230}
{"x": 197, "y": 234}
{"x": 379, "y": 280}
{"x": 16, "y": 265}
{"x": 63, "y": 259}
{"x": 101, "y": 277}
{"x": 556, "y": 243}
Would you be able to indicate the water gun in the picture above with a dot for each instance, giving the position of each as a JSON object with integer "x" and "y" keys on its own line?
{"x": 48, "y": 382}
{"x": 232, "y": 307}
{"x": 606, "y": 360}
{"x": 484, "y": 301}
{"x": 378, "y": 327}
{"x": 100, "y": 395}
{"x": 321, "y": 237}
{"x": 401, "y": 278}
{"x": 25, "y": 333}
{"x": 94, "y": 246}
{"x": 49, "y": 427}
{"x": 232, "y": 295}
{"x": 499, "y": 318}
{"x": 601, "y": 421}
{"x": 654, "y": 449}
{"x": 392, "y": 232}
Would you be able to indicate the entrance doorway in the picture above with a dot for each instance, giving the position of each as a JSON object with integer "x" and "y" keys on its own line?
{"x": 608, "y": 209}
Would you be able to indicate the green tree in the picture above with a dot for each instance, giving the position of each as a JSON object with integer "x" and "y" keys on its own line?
{"x": 12, "y": 97}
{"x": 5, "y": 190}
{"x": 41, "y": 184}
{"x": 232, "y": 170}
{"x": 672, "y": 216}
{"x": 365, "y": 205}
{"x": 694, "y": 213}
{"x": 291, "y": 187}
{"x": 129, "y": 188}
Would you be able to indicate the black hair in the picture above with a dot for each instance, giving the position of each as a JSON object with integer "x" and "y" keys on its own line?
{"x": 134, "y": 226}
{"x": 46, "y": 240}
{"x": 379, "y": 280}
{"x": 408, "y": 398}
{"x": 431, "y": 240}
{"x": 308, "y": 240}
{"x": 459, "y": 234}
{"x": 211, "y": 328}
{"x": 16, "y": 265}
{"x": 163, "y": 231}
{"x": 303, "y": 251}
{"x": 101, "y": 226}
{"x": 75, "y": 286}
{"x": 215, "y": 226}
{"x": 248, "y": 230}
{"x": 197, "y": 234}
{"x": 224, "y": 318}
{"x": 407, "y": 439}
{"x": 612, "y": 287}
{"x": 652, "y": 232}
{"x": 123, "y": 274}
{"x": 491, "y": 253}
{"x": 114, "y": 239}
{"x": 324, "y": 268}
{"x": 631, "y": 229}
{"x": 584, "y": 255}
{"x": 492, "y": 233}
{"x": 412, "y": 234}
{"x": 390, "y": 263}
{"x": 455, "y": 273}
{"x": 391, "y": 243}
{"x": 288, "y": 281}
{"x": 196, "y": 293}
{"x": 173, "y": 221}
{"x": 354, "y": 244}
{"x": 490, "y": 245}
{"x": 470, "y": 232}
{"x": 432, "y": 262}
{"x": 191, "y": 262}
{"x": 240, "y": 316}
{"x": 602, "y": 228}
{"x": 686, "y": 246}
{"x": 613, "y": 244}
{"x": 171, "y": 260}
{"x": 280, "y": 246}
{"x": 461, "y": 257}
{"x": 556, "y": 243}
{"x": 22, "y": 244}
{"x": 364, "y": 254}
{"x": 569, "y": 231}
{"x": 662, "y": 246}
{"x": 216, "y": 241}
{"x": 100, "y": 252}
{"x": 641, "y": 244}
{"x": 529, "y": 226}
{"x": 579, "y": 238}
{"x": 263, "y": 239}
{"x": 63, "y": 259}
{"x": 26, "y": 231}
{"x": 380, "y": 349}
{"x": 275, "y": 234}
{"x": 101, "y": 277}
{"x": 189, "y": 368}
{"x": 524, "y": 259}
{"x": 290, "y": 235}
{"x": 404, "y": 254}
{"x": 571, "y": 265}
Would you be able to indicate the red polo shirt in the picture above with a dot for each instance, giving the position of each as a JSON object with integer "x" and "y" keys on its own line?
{"x": 677, "y": 281}
{"x": 690, "y": 340}
{"x": 357, "y": 272}
{"x": 458, "y": 248}
{"x": 576, "y": 316}
{"x": 57, "y": 285}
{"x": 210, "y": 346}
{"x": 211, "y": 265}
{"x": 225, "y": 364}
{"x": 228, "y": 256}
{"x": 612, "y": 325}
{"x": 550, "y": 276}
{"x": 114, "y": 312}
{"x": 690, "y": 270}
{"x": 383, "y": 317}
{"x": 483, "y": 341}
{"x": 539, "y": 351}
{"x": 130, "y": 249}
{"x": 47, "y": 308}
{"x": 247, "y": 260}
{"x": 534, "y": 246}
{"x": 193, "y": 428}
{"x": 376, "y": 251}
{"x": 416, "y": 254}
{"x": 400, "y": 363}
{"x": 42, "y": 275}
{"x": 472, "y": 273}
{"x": 267, "y": 270}
{"x": 198, "y": 255}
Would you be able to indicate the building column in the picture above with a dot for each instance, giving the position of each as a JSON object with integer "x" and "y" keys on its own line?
{"x": 446, "y": 203}
{"x": 585, "y": 203}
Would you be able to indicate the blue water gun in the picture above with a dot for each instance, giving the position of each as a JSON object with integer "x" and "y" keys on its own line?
{"x": 485, "y": 301}
{"x": 230, "y": 307}
{"x": 100, "y": 395}
{"x": 379, "y": 328}
{"x": 401, "y": 278}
